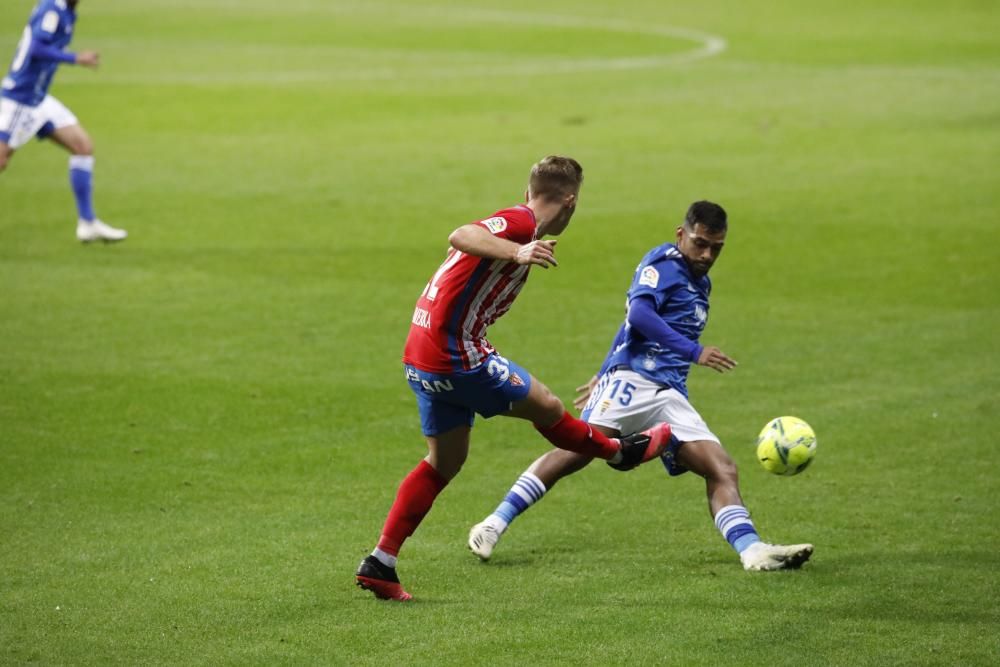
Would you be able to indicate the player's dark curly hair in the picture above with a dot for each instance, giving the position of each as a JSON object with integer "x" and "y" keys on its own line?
{"x": 706, "y": 213}
{"x": 555, "y": 176}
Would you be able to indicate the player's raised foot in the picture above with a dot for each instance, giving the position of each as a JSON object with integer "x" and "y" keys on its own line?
{"x": 380, "y": 579}
{"x": 637, "y": 448}
{"x": 482, "y": 538}
{"x": 95, "y": 230}
{"x": 763, "y": 556}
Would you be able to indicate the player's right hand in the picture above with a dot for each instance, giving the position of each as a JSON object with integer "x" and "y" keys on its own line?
{"x": 88, "y": 59}
{"x": 541, "y": 253}
{"x": 583, "y": 393}
{"x": 713, "y": 357}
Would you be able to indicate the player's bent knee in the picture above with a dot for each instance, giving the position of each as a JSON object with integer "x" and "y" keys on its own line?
{"x": 543, "y": 396}
{"x": 84, "y": 148}
{"x": 540, "y": 406}
{"x": 552, "y": 406}
{"x": 75, "y": 140}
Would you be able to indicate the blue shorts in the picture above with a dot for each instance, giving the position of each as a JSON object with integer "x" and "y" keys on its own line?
{"x": 449, "y": 400}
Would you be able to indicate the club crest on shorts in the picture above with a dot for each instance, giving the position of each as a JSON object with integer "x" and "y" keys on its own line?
{"x": 495, "y": 225}
{"x": 516, "y": 380}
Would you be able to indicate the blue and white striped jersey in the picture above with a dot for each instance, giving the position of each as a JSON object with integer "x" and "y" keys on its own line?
{"x": 681, "y": 300}
{"x": 29, "y": 77}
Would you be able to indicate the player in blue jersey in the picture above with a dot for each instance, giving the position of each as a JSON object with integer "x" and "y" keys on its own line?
{"x": 27, "y": 110}
{"x": 644, "y": 381}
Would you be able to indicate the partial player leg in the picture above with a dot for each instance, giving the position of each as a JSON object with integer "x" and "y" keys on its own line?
{"x": 558, "y": 463}
{"x": 10, "y": 137}
{"x": 6, "y": 153}
{"x": 709, "y": 460}
{"x": 537, "y": 480}
{"x": 18, "y": 124}
{"x": 81, "y": 172}
{"x": 526, "y": 491}
{"x": 447, "y": 453}
{"x": 549, "y": 415}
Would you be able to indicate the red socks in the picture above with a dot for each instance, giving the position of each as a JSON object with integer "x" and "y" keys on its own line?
{"x": 577, "y": 436}
{"x": 419, "y": 489}
{"x": 413, "y": 500}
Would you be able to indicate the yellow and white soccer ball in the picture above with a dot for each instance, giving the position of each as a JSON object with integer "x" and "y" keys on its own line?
{"x": 786, "y": 446}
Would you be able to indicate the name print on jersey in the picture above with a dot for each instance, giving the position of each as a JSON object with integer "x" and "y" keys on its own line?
{"x": 422, "y": 318}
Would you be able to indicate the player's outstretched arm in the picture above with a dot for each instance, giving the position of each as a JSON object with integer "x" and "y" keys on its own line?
{"x": 46, "y": 52}
{"x": 478, "y": 241}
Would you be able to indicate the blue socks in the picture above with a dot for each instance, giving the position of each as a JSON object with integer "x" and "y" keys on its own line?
{"x": 527, "y": 490}
{"x": 81, "y": 172}
{"x": 733, "y": 521}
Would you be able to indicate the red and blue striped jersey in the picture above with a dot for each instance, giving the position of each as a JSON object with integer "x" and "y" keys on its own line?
{"x": 465, "y": 296}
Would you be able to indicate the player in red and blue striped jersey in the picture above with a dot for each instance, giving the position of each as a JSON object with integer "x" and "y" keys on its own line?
{"x": 456, "y": 373}
{"x": 468, "y": 293}
{"x": 27, "y": 110}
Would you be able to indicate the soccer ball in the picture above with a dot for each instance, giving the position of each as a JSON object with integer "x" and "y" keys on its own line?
{"x": 786, "y": 446}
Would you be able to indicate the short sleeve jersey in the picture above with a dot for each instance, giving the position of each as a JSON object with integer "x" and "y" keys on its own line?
{"x": 465, "y": 296}
{"x": 681, "y": 300}
{"x": 28, "y": 79}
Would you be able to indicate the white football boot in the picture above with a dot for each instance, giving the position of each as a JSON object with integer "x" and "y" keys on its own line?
{"x": 98, "y": 231}
{"x": 482, "y": 538}
{"x": 763, "y": 556}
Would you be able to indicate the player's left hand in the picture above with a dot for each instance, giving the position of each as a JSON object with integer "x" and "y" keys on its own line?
{"x": 89, "y": 59}
{"x": 583, "y": 393}
{"x": 715, "y": 358}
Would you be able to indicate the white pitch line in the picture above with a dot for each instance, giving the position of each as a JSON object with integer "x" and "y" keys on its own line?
{"x": 708, "y": 45}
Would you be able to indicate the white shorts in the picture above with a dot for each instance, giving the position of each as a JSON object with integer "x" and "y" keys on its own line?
{"x": 19, "y": 122}
{"x": 628, "y": 402}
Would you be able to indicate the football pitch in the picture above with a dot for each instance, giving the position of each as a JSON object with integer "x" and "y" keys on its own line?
{"x": 202, "y": 428}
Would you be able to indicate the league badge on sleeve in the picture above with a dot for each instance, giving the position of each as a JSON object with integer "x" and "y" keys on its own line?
{"x": 495, "y": 225}
{"x": 649, "y": 277}
{"x": 50, "y": 21}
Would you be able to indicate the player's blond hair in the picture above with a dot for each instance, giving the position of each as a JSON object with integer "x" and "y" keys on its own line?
{"x": 555, "y": 176}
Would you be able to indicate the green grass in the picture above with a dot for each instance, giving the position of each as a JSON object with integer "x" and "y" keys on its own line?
{"x": 201, "y": 429}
